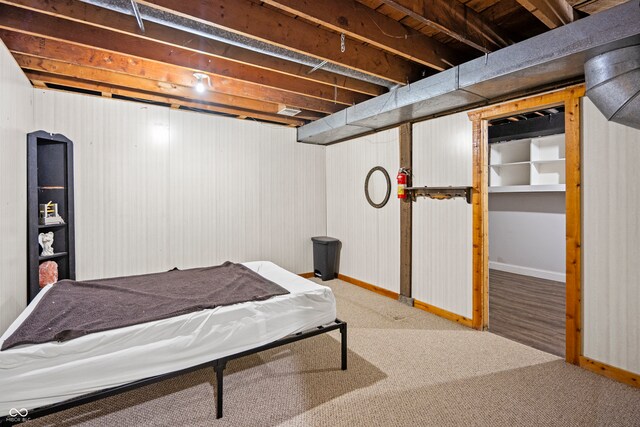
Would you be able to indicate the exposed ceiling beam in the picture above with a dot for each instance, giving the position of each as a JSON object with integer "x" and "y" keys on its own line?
{"x": 552, "y": 13}
{"x": 456, "y": 20}
{"x": 290, "y": 91}
{"x": 594, "y": 6}
{"x": 261, "y": 23}
{"x": 61, "y": 68}
{"x": 35, "y": 76}
{"x": 365, "y": 24}
{"x": 84, "y": 56}
{"x": 104, "y": 18}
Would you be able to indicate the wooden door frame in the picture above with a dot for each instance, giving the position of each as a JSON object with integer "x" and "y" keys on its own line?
{"x": 570, "y": 98}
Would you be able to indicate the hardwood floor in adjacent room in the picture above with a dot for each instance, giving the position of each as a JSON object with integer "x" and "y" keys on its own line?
{"x": 528, "y": 310}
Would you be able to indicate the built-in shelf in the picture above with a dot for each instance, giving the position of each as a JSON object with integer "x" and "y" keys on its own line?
{"x": 502, "y": 165}
{"x": 50, "y": 226}
{"x": 49, "y": 179}
{"x": 558, "y": 188}
{"x": 54, "y": 256}
{"x": 527, "y": 165}
{"x": 540, "y": 162}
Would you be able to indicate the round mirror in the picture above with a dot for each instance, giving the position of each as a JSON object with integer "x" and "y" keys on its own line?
{"x": 377, "y": 187}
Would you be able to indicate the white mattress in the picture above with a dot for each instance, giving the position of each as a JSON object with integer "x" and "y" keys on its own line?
{"x": 35, "y": 375}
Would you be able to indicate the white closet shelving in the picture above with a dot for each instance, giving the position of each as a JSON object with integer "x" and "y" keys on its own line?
{"x": 527, "y": 165}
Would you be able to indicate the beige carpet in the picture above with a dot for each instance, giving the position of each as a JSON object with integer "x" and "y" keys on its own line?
{"x": 406, "y": 367}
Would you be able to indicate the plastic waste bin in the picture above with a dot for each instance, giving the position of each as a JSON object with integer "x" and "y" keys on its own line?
{"x": 326, "y": 257}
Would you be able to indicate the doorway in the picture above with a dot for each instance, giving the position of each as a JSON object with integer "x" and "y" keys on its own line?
{"x": 569, "y": 99}
{"x": 526, "y": 209}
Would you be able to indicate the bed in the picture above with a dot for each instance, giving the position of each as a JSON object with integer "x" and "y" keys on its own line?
{"x": 37, "y": 377}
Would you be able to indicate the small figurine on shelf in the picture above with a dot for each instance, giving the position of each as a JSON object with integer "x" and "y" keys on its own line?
{"x": 48, "y": 273}
{"x": 46, "y": 241}
{"x": 49, "y": 214}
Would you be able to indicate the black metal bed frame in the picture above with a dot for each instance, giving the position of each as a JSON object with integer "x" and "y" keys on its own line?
{"x": 218, "y": 365}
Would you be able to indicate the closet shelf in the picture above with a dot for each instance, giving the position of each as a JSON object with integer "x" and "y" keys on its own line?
{"x": 528, "y": 188}
{"x": 527, "y": 165}
{"x": 540, "y": 162}
{"x": 500, "y": 165}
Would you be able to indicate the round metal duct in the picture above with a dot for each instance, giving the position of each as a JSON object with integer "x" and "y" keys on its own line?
{"x": 613, "y": 84}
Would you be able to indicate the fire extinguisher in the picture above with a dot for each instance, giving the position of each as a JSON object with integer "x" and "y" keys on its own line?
{"x": 402, "y": 178}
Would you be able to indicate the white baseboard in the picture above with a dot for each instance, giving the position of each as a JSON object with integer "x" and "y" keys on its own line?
{"x": 528, "y": 271}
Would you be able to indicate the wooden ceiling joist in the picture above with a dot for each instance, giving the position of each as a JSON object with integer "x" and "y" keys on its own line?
{"x": 292, "y": 91}
{"x": 261, "y": 23}
{"x": 135, "y": 94}
{"x": 365, "y": 24}
{"x": 553, "y": 13}
{"x": 110, "y": 79}
{"x": 107, "y": 19}
{"x": 88, "y": 47}
{"x": 128, "y": 81}
{"x": 594, "y": 6}
{"x": 40, "y": 47}
{"x": 456, "y": 20}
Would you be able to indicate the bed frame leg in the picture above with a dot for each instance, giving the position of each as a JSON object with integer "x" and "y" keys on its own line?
{"x": 343, "y": 333}
{"x": 219, "y": 366}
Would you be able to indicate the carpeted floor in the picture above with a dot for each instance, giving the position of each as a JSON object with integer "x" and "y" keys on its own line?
{"x": 406, "y": 367}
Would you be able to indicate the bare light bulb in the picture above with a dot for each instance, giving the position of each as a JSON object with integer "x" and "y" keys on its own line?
{"x": 200, "y": 86}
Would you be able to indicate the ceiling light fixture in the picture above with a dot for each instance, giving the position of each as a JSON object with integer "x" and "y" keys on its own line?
{"x": 200, "y": 85}
{"x": 288, "y": 111}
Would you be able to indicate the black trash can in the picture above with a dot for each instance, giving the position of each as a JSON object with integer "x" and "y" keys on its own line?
{"x": 326, "y": 257}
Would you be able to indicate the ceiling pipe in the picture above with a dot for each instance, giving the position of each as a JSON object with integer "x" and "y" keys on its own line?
{"x": 209, "y": 31}
{"x": 548, "y": 60}
{"x": 613, "y": 84}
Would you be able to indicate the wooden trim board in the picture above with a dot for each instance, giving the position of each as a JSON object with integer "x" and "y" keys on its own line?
{"x": 610, "y": 371}
{"x": 369, "y": 286}
{"x": 443, "y": 313}
{"x": 570, "y": 98}
{"x": 417, "y": 304}
{"x": 573, "y": 202}
{"x": 306, "y": 275}
{"x": 480, "y": 227}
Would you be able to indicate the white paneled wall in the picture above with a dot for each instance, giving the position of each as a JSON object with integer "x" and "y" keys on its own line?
{"x": 610, "y": 241}
{"x": 442, "y": 229}
{"x": 159, "y": 188}
{"x": 527, "y": 234}
{"x": 121, "y": 167}
{"x": 370, "y": 237}
{"x": 243, "y": 191}
{"x": 16, "y": 117}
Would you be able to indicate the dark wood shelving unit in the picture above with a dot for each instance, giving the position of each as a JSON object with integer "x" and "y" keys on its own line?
{"x": 49, "y": 178}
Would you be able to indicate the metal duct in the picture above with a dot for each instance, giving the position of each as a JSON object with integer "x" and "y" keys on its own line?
{"x": 613, "y": 84}
{"x": 541, "y": 62}
{"x": 189, "y": 25}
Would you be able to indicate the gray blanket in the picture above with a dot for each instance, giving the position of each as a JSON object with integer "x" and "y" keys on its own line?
{"x": 71, "y": 309}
